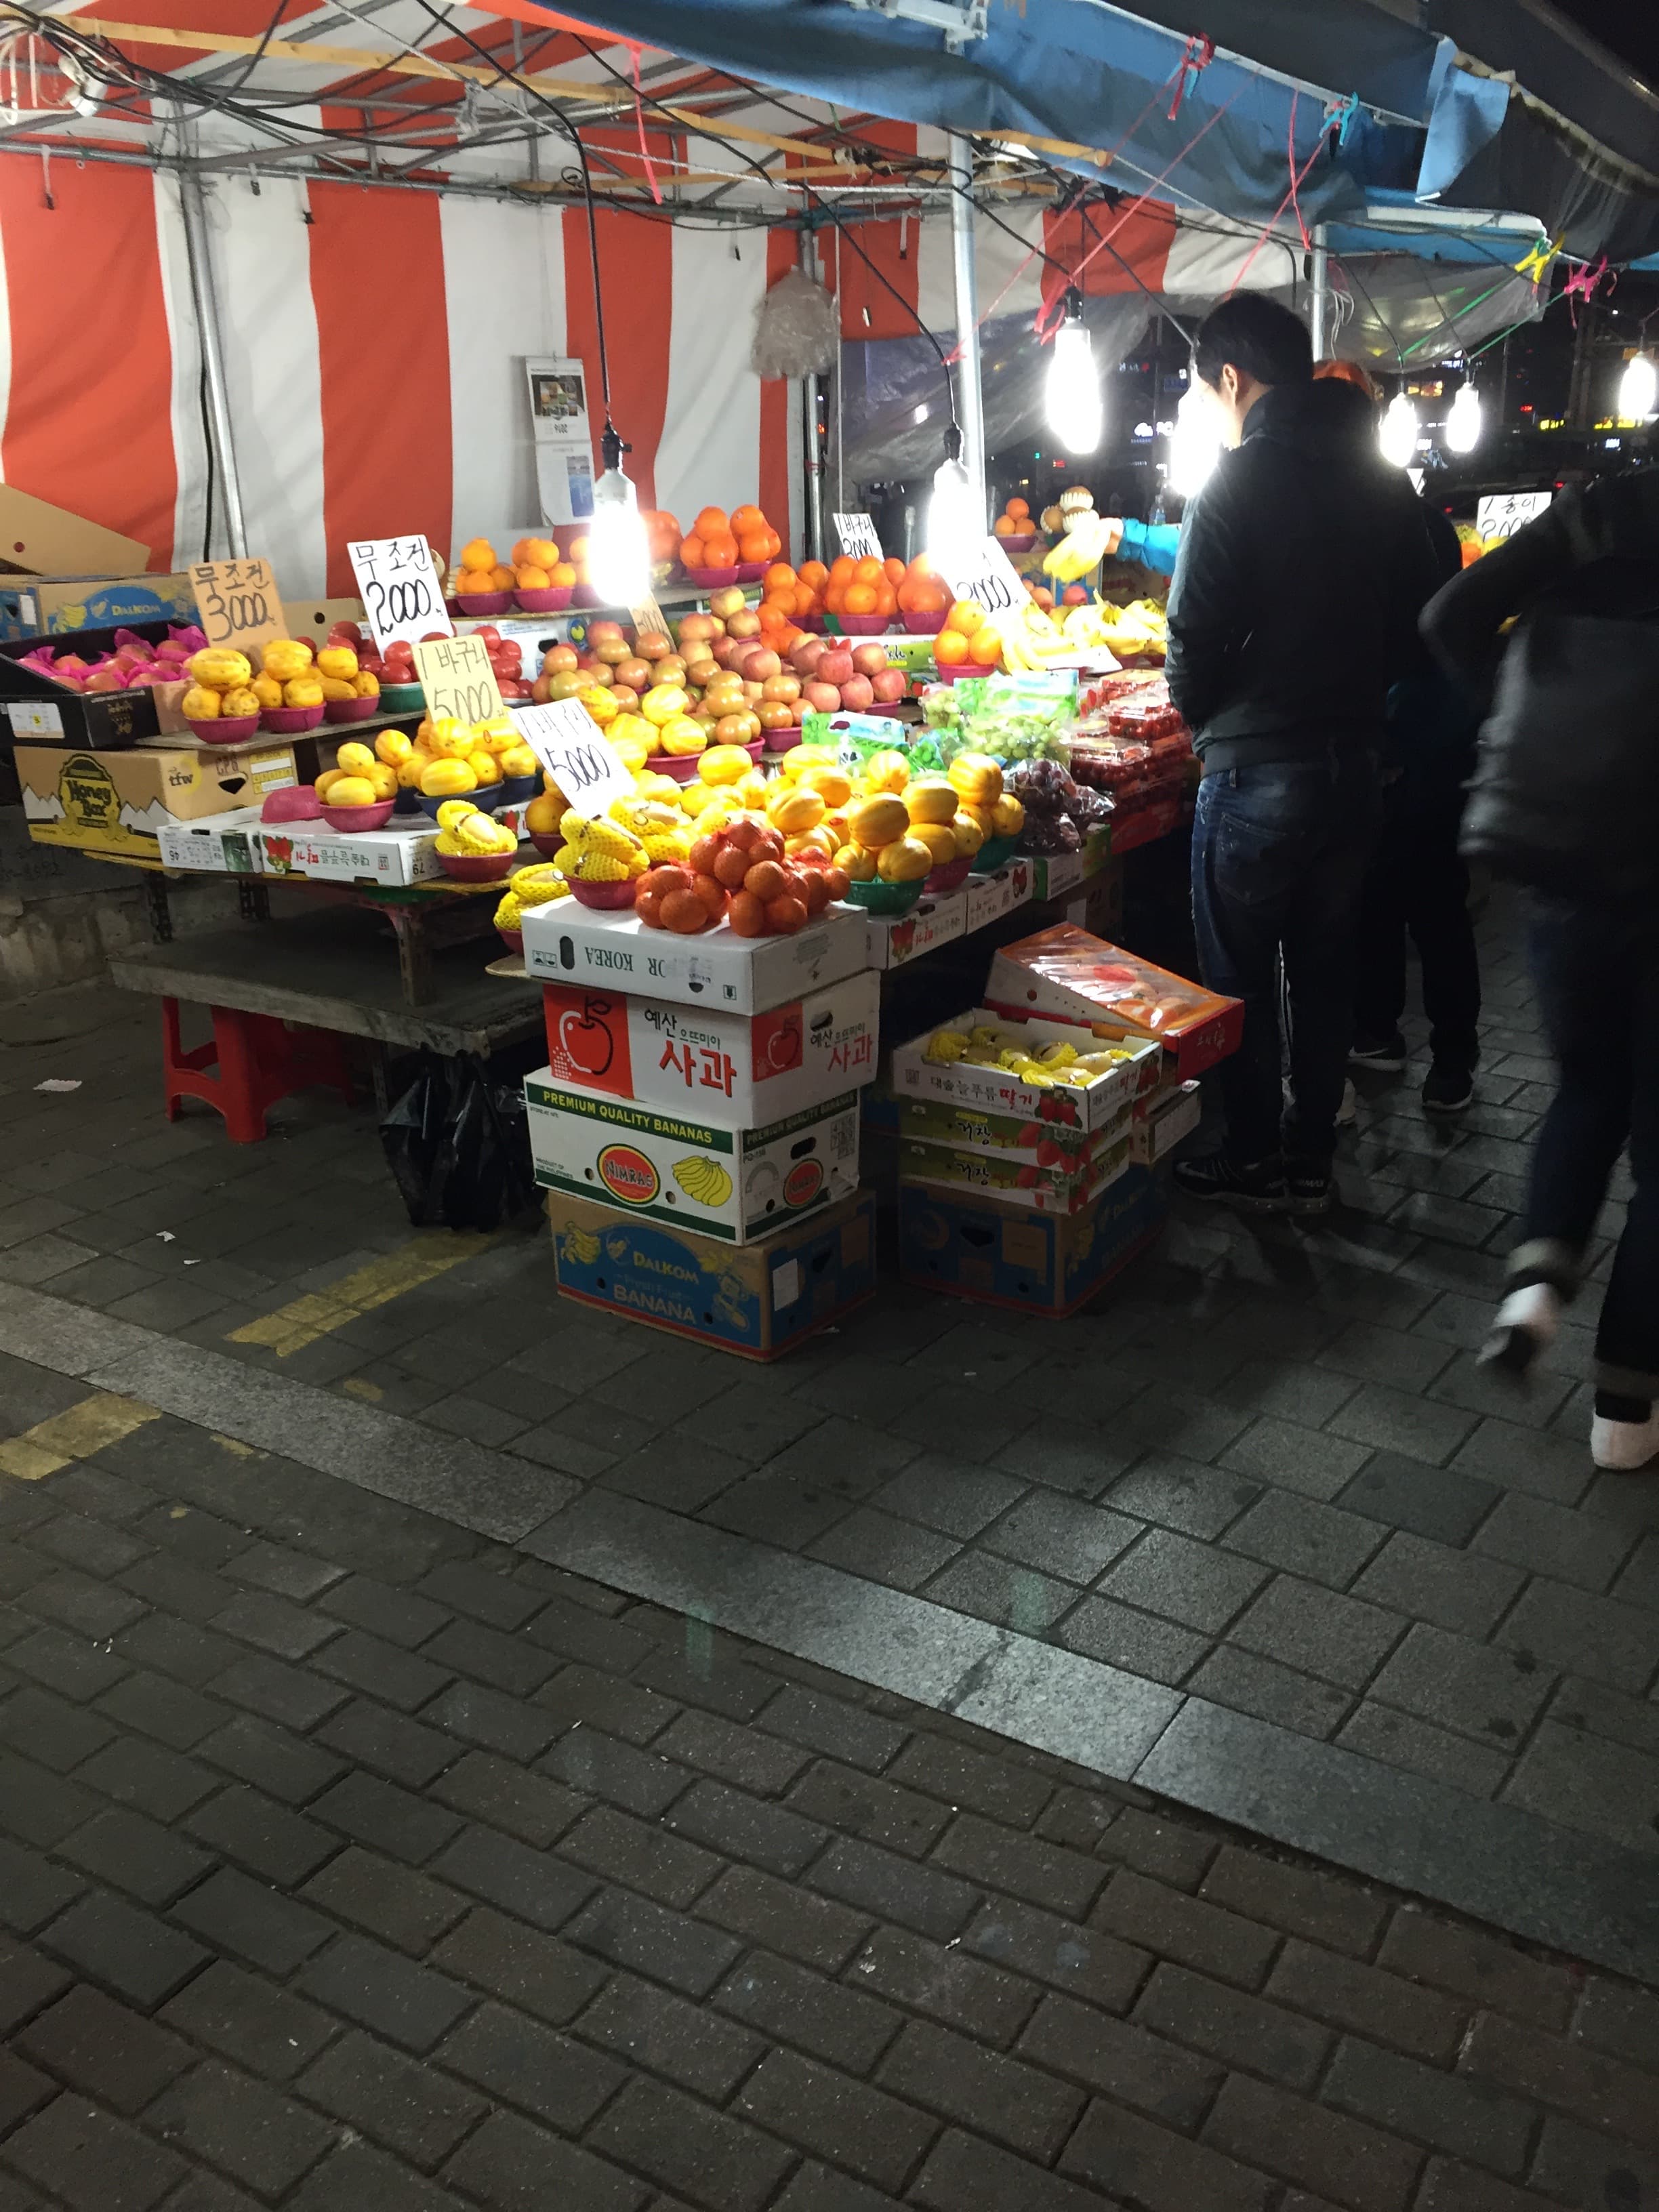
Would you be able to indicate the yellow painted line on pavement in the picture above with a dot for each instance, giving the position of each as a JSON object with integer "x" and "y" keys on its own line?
{"x": 291, "y": 1327}
{"x": 75, "y": 1433}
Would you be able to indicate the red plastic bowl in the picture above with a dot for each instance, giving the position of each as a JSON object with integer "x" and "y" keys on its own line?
{"x": 548, "y": 842}
{"x": 350, "y": 710}
{"x": 682, "y": 766}
{"x": 228, "y": 730}
{"x": 925, "y": 625}
{"x": 484, "y": 603}
{"x": 863, "y": 625}
{"x": 813, "y": 624}
{"x": 947, "y": 878}
{"x": 289, "y": 720}
{"x": 754, "y": 748}
{"x": 966, "y": 668}
{"x": 513, "y": 938}
{"x": 298, "y": 802}
{"x": 611, "y": 897}
{"x": 353, "y": 819}
{"x": 783, "y": 741}
{"x": 551, "y": 601}
{"x": 478, "y": 867}
{"x": 751, "y": 572}
{"x": 1020, "y": 544}
{"x": 584, "y": 595}
{"x": 712, "y": 579}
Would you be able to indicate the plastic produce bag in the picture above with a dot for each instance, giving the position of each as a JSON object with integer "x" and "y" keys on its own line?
{"x": 458, "y": 1144}
{"x": 795, "y": 331}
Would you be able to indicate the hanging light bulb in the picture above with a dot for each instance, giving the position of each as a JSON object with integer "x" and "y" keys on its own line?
{"x": 1639, "y": 390}
{"x": 1397, "y": 432}
{"x": 956, "y": 513}
{"x": 1075, "y": 413}
{"x": 618, "y": 552}
{"x": 1194, "y": 444}
{"x": 1463, "y": 423}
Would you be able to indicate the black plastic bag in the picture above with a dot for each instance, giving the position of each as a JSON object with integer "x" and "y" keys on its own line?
{"x": 458, "y": 1144}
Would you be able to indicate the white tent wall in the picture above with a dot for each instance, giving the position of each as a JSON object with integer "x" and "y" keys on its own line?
{"x": 189, "y": 520}
{"x": 709, "y": 451}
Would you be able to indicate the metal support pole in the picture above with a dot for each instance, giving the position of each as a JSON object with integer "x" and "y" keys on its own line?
{"x": 812, "y": 433}
{"x": 1319, "y": 302}
{"x": 205, "y": 300}
{"x": 970, "y": 406}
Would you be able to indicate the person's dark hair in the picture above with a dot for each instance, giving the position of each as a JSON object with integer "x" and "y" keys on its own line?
{"x": 1261, "y": 339}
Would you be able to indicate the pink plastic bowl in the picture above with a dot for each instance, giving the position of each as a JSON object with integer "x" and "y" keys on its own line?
{"x": 288, "y": 722}
{"x": 924, "y": 625}
{"x": 229, "y": 730}
{"x": 477, "y": 867}
{"x": 484, "y": 603}
{"x": 862, "y": 625}
{"x": 552, "y": 601}
{"x": 353, "y": 820}
{"x": 712, "y": 580}
{"x": 350, "y": 710}
{"x": 611, "y": 896}
{"x": 298, "y": 802}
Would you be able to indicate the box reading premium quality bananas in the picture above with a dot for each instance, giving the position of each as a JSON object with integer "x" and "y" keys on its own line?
{"x": 717, "y": 1177}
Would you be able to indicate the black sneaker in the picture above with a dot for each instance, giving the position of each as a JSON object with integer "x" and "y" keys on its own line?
{"x": 1448, "y": 1090}
{"x": 1386, "y": 1056}
{"x": 1307, "y": 1187}
{"x": 1257, "y": 1188}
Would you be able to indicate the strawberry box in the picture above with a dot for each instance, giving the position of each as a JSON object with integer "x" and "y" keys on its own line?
{"x": 1064, "y": 974}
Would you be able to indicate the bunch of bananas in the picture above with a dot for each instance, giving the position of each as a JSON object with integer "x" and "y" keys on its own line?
{"x": 598, "y": 851}
{"x": 1089, "y": 538}
{"x": 702, "y": 1179}
{"x": 1046, "y": 1068}
{"x": 1032, "y": 639}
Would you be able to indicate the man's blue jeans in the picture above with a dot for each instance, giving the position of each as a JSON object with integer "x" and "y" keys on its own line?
{"x": 1279, "y": 863}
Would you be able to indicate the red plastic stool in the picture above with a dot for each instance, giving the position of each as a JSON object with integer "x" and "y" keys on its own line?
{"x": 259, "y": 1059}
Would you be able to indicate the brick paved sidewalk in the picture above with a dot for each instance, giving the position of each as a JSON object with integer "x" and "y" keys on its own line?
{"x": 355, "y": 1864}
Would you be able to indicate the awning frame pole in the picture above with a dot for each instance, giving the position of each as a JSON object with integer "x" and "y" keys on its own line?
{"x": 206, "y": 300}
{"x": 1319, "y": 298}
{"x": 811, "y": 414}
{"x": 971, "y": 405}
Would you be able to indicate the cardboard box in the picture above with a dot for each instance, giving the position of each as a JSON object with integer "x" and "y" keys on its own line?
{"x": 223, "y": 844}
{"x": 118, "y": 803}
{"x": 1066, "y": 1188}
{"x": 757, "y": 1300}
{"x": 1006, "y": 1136}
{"x": 751, "y": 1069}
{"x": 1098, "y": 906}
{"x": 1055, "y": 873}
{"x": 568, "y": 943}
{"x": 988, "y": 898}
{"x": 935, "y": 919}
{"x": 40, "y": 539}
{"x": 49, "y": 606}
{"x": 725, "y": 1181}
{"x": 1065, "y": 974}
{"x": 996, "y": 1090}
{"x": 1010, "y": 1255}
{"x": 1163, "y": 1119}
{"x": 44, "y": 712}
{"x": 391, "y": 856}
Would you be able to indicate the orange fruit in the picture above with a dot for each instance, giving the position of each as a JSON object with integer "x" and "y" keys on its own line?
{"x": 745, "y": 519}
{"x": 778, "y": 577}
{"x": 950, "y": 648}
{"x": 476, "y": 553}
{"x": 893, "y": 569}
{"x": 886, "y": 600}
{"x": 533, "y": 578}
{"x": 1006, "y": 526}
{"x": 813, "y": 572}
{"x": 774, "y": 542}
{"x": 967, "y": 615}
{"x": 843, "y": 568}
{"x": 521, "y": 551}
{"x": 806, "y": 598}
{"x": 710, "y": 522}
{"x": 562, "y": 575}
{"x": 1019, "y": 509}
{"x": 721, "y": 552}
{"x": 835, "y": 598}
{"x": 860, "y": 599}
{"x": 868, "y": 570}
{"x": 985, "y": 647}
{"x": 755, "y": 545}
{"x": 692, "y": 553}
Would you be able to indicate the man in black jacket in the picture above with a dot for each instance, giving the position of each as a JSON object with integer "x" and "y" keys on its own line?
{"x": 1304, "y": 563}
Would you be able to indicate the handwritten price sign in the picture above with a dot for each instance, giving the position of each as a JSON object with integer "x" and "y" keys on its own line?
{"x": 238, "y": 605}
{"x": 857, "y": 533}
{"x": 1504, "y": 513}
{"x": 985, "y": 573}
{"x": 398, "y": 586}
{"x": 576, "y": 753}
{"x": 458, "y": 680}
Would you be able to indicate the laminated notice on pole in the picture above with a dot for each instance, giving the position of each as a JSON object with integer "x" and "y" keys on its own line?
{"x": 1504, "y": 513}
{"x": 458, "y": 680}
{"x": 238, "y": 605}
{"x": 398, "y": 583}
{"x": 857, "y": 533}
{"x": 576, "y": 754}
{"x": 985, "y": 573}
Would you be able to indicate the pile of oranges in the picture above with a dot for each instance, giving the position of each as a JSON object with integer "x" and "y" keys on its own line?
{"x": 1015, "y": 520}
{"x": 922, "y": 592}
{"x": 535, "y": 566}
{"x": 968, "y": 637}
{"x": 716, "y": 540}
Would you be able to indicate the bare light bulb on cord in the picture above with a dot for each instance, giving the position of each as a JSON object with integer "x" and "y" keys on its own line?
{"x": 1396, "y": 434}
{"x": 1076, "y": 415}
{"x": 956, "y": 513}
{"x": 1638, "y": 389}
{"x": 618, "y": 551}
{"x": 1463, "y": 423}
{"x": 1194, "y": 444}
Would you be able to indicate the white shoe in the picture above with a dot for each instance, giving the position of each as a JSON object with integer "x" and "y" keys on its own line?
{"x": 1624, "y": 1447}
{"x": 1527, "y": 1324}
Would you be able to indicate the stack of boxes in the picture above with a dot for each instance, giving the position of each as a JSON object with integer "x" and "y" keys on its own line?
{"x": 1035, "y": 1197}
{"x": 696, "y": 1125}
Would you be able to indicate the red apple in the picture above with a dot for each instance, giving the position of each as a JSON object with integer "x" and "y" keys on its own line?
{"x": 869, "y": 659}
{"x": 821, "y": 698}
{"x": 763, "y": 664}
{"x": 805, "y": 655}
{"x": 889, "y": 686}
{"x": 599, "y": 632}
{"x": 746, "y": 624}
{"x": 835, "y": 666}
{"x": 857, "y": 695}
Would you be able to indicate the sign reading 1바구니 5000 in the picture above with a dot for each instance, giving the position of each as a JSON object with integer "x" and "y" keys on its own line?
{"x": 238, "y": 603}
{"x": 576, "y": 753}
{"x": 458, "y": 680}
{"x": 985, "y": 573}
{"x": 397, "y": 582}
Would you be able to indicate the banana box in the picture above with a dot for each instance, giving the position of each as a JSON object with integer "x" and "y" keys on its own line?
{"x": 756, "y": 1300}
{"x": 697, "y": 1060}
{"x": 1006, "y": 1136}
{"x": 984, "y": 1246}
{"x": 1163, "y": 1119}
{"x": 1002, "y": 1090}
{"x": 716, "y": 1176}
{"x": 1064, "y": 1185}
